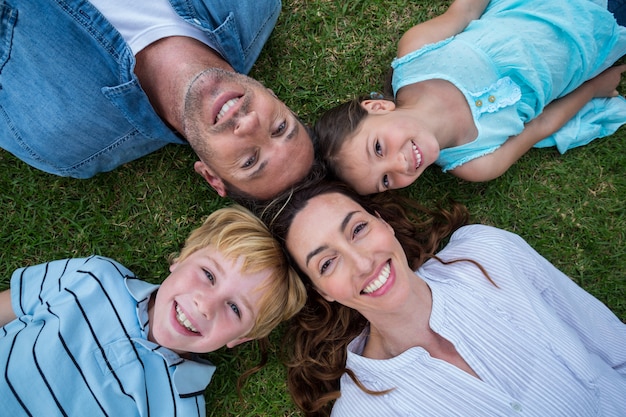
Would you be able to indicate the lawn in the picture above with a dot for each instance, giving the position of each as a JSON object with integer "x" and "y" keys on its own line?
{"x": 569, "y": 207}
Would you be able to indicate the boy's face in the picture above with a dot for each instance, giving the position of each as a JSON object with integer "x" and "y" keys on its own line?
{"x": 205, "y": 303}
{"x": 388, "y": 151}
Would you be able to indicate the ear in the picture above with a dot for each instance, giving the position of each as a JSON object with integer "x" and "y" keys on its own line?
{"x": 236, "y": 342}
{"x": 378, "y": 106}
{"x": 214, "y": 181}
{"x": 173, "y": 266}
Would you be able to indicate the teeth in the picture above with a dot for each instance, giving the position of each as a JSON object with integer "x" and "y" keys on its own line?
{"x": 182, "y": 319}
{"x": 380, "y": 281}
{"x": 230, "y": 103}
{"x": 418, "y": 156}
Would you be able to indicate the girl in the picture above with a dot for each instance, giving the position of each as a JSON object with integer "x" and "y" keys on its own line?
{"x": 472, "y": 96}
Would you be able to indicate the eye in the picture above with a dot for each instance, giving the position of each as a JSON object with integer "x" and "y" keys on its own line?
{"x": 325, "y": 266}
{"x": 280, "y": 129}
{"x": 209, "y": 275}
{"x": 358, "y": 229}
{"x": 378, "y": 149}
{"x": 385, "y": 181}
{"x": 235, "y": 309}
{"x": 249, "y": 162}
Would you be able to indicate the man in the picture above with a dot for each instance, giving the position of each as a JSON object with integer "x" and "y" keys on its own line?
{"x": 87, "y": 86}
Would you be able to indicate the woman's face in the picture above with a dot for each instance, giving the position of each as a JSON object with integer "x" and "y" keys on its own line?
{"x": 351, "y": 256}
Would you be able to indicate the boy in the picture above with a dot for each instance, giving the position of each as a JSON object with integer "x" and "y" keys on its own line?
{"x": 85, "y": 337}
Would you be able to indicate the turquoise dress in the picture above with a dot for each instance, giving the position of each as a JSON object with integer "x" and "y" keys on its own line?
{"x": 512, "y": 62}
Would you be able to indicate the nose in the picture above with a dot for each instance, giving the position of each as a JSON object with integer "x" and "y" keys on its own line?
{"x": 363, "y": 263}
{"x": 398, "y": 164}
{"x": 205, "y": 304}
{"x": 247, "y": 124}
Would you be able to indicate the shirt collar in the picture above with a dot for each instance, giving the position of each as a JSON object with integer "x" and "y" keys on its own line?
{"x": 191, "y": 377}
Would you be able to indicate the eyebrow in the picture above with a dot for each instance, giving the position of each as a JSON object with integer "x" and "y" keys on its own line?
{"x": 368, "y": 158}
{"x": 368, "y": 151}
{"x": 342, "y": 228}
{"x": 247, "y": 305}
{"x": 261, "y": 167}
{"x": 313, "y": 253}
{"x": 222, "y": 273}
{"x": 295, "y": 130}
{"x": 217, "y": 265}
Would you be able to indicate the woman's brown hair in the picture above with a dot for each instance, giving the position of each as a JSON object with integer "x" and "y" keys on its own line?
{"x": 319, "y": 334}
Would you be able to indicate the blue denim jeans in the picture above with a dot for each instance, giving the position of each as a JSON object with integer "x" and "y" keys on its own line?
{"x": 70, "y": 103}
{"x": 618, "y": 8}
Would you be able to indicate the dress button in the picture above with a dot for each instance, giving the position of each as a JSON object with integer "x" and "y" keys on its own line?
{"x": 516, "y": 406}
{"x": 491, "y": 99}
{"x": 479, "y": 103}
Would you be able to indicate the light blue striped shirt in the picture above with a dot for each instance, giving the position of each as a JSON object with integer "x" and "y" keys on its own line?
{"x": 540, "y": 344}
{"x": 78, "y": 347}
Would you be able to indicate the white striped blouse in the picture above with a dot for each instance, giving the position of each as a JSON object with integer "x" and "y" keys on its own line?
{"x": 540, "y": 344}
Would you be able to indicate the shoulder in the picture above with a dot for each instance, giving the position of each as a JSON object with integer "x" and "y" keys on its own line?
{"x": 486, "y": 245}
{"x": 97, "y": 263}
{"x": 89, "y": 278}
{"x": 480, "y": 234}
{"x": 70, "y": 270}
{"x": 453, "y": 21}
{"x": 504, "y": 255}
{"x": 106, "y": 272}
{"x": 99, "y": 268}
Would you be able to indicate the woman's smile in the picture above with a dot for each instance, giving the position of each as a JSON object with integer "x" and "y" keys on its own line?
{"x": 378, "y": 285}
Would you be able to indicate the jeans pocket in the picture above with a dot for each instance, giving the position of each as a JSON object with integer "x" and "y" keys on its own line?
{"x": 8, "y": 17}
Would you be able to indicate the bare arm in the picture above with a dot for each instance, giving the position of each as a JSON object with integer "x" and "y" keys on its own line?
{"x": 6, "y": 310}
{"x": 553, "y": 117}
{"x": 453, "y": 21}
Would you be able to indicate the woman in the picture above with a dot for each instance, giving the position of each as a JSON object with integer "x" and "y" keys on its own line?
{"x": 484, "y": 327}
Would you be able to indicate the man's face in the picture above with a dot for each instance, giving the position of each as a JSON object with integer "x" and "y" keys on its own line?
{"x": 244, "y": 135}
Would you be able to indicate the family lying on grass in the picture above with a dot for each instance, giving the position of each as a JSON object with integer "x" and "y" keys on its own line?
{"x": 393, "y": 308}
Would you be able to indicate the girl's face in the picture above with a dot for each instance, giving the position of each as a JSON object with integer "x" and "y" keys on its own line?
{"x": 351, "y": 256}
{"x": 388, "y": 151}
{"x": 206, "y": 302}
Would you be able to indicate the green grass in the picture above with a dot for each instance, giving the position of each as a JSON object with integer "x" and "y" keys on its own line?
{"x": 569, "y": 207}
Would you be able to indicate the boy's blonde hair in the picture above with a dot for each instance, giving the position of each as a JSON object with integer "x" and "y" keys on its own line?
{"x": 236, "y": 232}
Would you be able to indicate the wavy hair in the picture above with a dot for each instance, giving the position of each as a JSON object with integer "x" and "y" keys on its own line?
{"x": 319, "y": 334}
